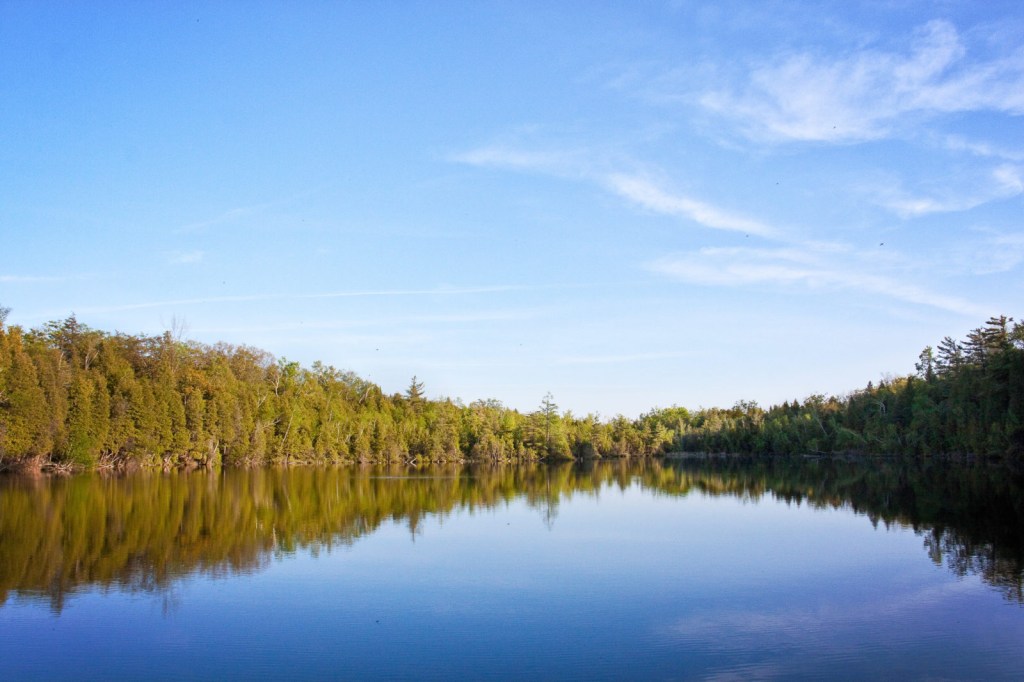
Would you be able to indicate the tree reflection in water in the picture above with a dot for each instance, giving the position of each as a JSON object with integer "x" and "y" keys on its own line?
{"x": 142, "y": 531}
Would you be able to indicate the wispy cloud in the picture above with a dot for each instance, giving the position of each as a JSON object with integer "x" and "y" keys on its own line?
{"x": 240, "y": 213}
{"x": 53, "y": 279}
{"x": 1005, "y": 253}
{"x": 256, "y": 298}
{"x": 185, "y": 257}
{"x": 794, "y": 267}
{"x": 28, "y": 279}
{"x": 996, "y": 252}
{"x": 501, "y": 156}
{"x": 1009, "y": 180}
{"x": 1003, "y": 182}
{"x": 957, "y": 143}
{"x": 808, "y": 265}
{"x": 863, "y": 95}
{"x": 636, "y": 188}
{"x": 796, "y": 263}
{"x": 389, "y": 322}
{"x": 226, "y": 217}
{"x": 650, "y": 196}
{"x": 621, "y": 358}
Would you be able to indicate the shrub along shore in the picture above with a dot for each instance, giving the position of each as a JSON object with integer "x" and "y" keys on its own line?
{"x": 72, "y": 397}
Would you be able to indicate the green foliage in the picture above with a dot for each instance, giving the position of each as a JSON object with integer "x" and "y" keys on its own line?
{"x": 74, "y": 396}
{"x": 966, "y": 399}
{"x": 23, "y": 430}
{"x": 71, "y": 395}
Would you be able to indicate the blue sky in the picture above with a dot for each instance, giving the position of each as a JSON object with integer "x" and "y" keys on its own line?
{"x": 627, "y": 204}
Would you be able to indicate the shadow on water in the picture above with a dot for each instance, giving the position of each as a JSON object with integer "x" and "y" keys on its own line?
{"x": 143, "y": 531}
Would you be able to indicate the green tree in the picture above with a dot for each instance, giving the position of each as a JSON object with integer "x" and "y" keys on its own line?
{"x": 925, "y": 365}
{"x": 23, "y": 417}
{"x": 414, "y": 394}
{"x": 549, "y": 413}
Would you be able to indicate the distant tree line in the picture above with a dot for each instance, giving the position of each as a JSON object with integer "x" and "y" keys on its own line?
{"x": 967, "y": 398}
{"x": 72, "y": 396}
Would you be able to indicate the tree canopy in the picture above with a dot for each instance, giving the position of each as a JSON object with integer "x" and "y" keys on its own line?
{"x": 73, "y": 396}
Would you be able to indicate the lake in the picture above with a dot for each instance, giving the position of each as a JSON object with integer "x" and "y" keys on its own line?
{"x": 713, "y": 568}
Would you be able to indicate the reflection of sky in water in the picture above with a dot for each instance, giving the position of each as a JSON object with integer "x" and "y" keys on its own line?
{"x": 617, "y": 585}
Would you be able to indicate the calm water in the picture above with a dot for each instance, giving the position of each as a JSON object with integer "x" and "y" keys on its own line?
{"x": 716, "y": 568}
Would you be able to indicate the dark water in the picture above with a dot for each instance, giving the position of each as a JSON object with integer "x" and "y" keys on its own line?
{"x": 719, "y": 568}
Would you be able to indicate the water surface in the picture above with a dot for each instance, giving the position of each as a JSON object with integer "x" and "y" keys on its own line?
{"x": 712, "y": 568}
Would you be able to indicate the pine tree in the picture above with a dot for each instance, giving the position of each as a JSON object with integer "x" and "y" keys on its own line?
{"x": 926, "y": 364}
{"x": 950, "y": 356}
{"x": 414, "y": 394}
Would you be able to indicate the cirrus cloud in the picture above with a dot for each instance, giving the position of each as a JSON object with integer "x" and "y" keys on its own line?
{"x": 798, "y": 267}
{"x": 863, "y": 95}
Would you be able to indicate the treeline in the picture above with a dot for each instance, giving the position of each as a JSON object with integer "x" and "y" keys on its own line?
{"x": 967, "y": 398}
{"x": 72, "y": 396}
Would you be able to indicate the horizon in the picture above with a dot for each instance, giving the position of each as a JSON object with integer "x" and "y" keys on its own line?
{"x": 628, "y": 206}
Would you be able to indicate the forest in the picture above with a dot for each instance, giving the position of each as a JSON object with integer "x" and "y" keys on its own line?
{"x": 74, "y": 397}
{"x": 966, "y": 399}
